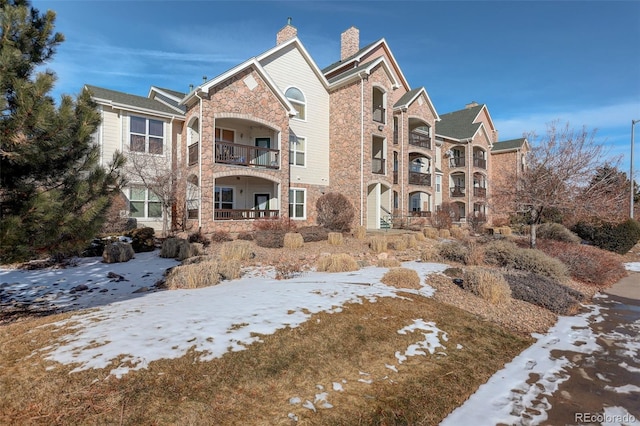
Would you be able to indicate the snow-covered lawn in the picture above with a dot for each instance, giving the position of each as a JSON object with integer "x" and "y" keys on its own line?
{"x": 151, "y": 325}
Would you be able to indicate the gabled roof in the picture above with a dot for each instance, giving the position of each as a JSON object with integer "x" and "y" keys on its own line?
{"x": 510, "y": 145}
{"x": 131, "y": 102}
{"x": 355, "y": 59}
{"x": 459, "y": 124}
{"x": 411, "y": 96}
{"x": 364, "y": 69}
{"x": 169, "y": 97}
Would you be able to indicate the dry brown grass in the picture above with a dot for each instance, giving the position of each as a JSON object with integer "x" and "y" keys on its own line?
{"x": 360, "y": 232}
{"x": 444, "y": 233}
{"x": 429, "y": 254}
{"x": 195, "y": 275}
{"x": 335, "y": 238}
{"x": 293, "y": 240}
{"x": 236, "y": 250}
{"x": 402, "y": 278}
{"x": 378, "y": 243}
{"x": 457, "y": 232}
{"x": 431, "y": 233}
{"x": 398, "y": 244}
{"x": 488, "y": 284}
{"x": 254, "y": 386}
{"x": 187, "y": 250}
{"x": 410, "y": 240}
{"x": 389, "y": 262}
{"x": 337, "y": 262}
{"x": 419, "y": 236}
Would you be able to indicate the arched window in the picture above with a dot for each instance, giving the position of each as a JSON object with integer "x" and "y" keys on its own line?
{"x": 298, "y": 101}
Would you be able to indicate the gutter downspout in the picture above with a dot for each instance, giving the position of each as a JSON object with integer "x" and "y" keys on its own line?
{"x": 403, "y": 206}
{"x": 362, "y": 148}
{"x": 199, "y": 162}
{"x": 469, "y": 179}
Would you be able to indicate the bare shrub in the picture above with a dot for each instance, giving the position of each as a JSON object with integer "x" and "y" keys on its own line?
{"x": 401, "y": 278}
{"x": 335, "y": 238}
{"x": 293, "y": 240}
{"x": 544, "y": 292}
{"x": 269, "y": 239}
{"x": 444, "y": 233}
{"x": 429, "y": 254}
{"x": 476, "y": 221}
{"x": 556, "y": 232}
{"x": 360, "y": 232}
{"x": 288, "y": 270}
{"x": 335, "y": 212}
{"x": 488, "y": 284}
{"x": 313, "y": 233}
{"x": 443, "y": 219}
{"x": 236, "y": 250}
{"x": 274, "y": 224}
{"x": 378, "y": 243}
{"x": 196, "y": 275}
{"x": 117, "y": 252}
{"x": 388, "y": 263}
{"x": 340, "y": 262}
{"x": 453, "y": 251}
{"x": 475, "y": 255}
{"x": 216, "y": 237}
{"x": 431, "y": 233}
{"x": 587, "y": 264}
{"x": 198, "y": 237}
{"x": 507, "y": 254}
{"x": 244, "y": 235}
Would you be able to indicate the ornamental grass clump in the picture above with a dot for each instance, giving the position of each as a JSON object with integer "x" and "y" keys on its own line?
{"x": 444, "y": 233}
{"x": 453, "y": 251}
{"x": 360, "y": 232}
{"x": 340, "y": 262}
{"x": 431, "y": 233}
{"x": 401, "y": 278}
{"x": 195, "y": 275}
{"x": 388, "y": 263}
{"x": 487, "y": 284}
{"x": 335, "y": 238}
{"x": 236, "y": 250}
{"x": 293, "y": 240}
{"x": 429, "y": 254}
{"x": 378, "y": 243}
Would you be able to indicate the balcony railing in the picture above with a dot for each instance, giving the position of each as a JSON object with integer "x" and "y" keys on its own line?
{"x": 378, "y": 166}
{"x": 419, "y": 139}
{"x": 456, "y": 161}
{"x": 194, "y": 150}
{"x": 379, "y": 114}
{"x": 417, "y": 178}
{"x": 479, "y": 192}
{"x": 457, "y": 191}
{"x": 418, "y": 213}
{"x": 246, "y": 155}
{"x": 480, "y": 162}
{"x": 244, "y": 214}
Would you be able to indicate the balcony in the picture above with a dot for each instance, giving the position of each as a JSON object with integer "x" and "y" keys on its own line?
{"x": 479, "y": 192}
{"x": 246, "y": 155}
{"x": 456, "y": 162}
{"x": 420, "y": 139}
{"x": 379, "y": 114}
{"x": 480, "y": 162}
{"x": 244, "y": 214}
{"x": 457, "y": 191}
{"x": 417, "y": 178}
{"x": 378, "y": 166}
{"x": 193, "y": 154}
{"x": 419, "y": 213}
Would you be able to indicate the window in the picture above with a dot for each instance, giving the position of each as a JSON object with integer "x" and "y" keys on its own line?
{"x": 298, "y": 101}
{"x": 438, "y": 183}
{"x": 193, "y": 197}
{"x": 146, "y": 135}
{"x": 297, "y": 198}
{"x": 223, "y": 198}
{"x": 144, "y": 203}
{"x": 297, "y": 148}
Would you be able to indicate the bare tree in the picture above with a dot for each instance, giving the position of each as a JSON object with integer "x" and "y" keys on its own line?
{"x": 155, "y": 174}
{"x": 558, "y": 177}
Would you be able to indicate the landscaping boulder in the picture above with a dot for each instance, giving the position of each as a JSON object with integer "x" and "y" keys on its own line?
{"x": 117, "y": 252}
{"x": 143, "y": 239}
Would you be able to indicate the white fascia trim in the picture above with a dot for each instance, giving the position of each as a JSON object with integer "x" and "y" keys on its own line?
{"x": 417, "y": 95}
{"x": 305, "y": 54}
{"x": 125, "y": 107}
{"x": 484, "y": 107}
{"x": 163, "y": 93}
{"x": 367, "y": 71}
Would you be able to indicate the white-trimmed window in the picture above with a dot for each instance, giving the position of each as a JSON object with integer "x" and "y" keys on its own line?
{"x": 223, "y": 198}
{"x": 144, "y": 203}
{"x": 298, "y": 101}
{"x": 297, "y": 203}
{"x": 146, "y": 135}
{"x": 438, "y": 183}
{"x": 297, "y": 150}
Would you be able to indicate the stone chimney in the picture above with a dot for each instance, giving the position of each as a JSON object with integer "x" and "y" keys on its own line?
{"x": 349, "y": 42}
{"x": 471, "y": 105}
{"x": 286, "y": 33}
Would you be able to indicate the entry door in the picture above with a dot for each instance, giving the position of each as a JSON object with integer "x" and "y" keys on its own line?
{"x": 261, "y": 203}
{"x": 263, "y": 158}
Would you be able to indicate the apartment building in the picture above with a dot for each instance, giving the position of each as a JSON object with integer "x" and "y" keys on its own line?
{"x": 268, "y": 137}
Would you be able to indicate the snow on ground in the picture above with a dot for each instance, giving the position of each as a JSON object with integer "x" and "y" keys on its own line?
{"x": 633, "y": 266}
{"x": 164, "y": 324}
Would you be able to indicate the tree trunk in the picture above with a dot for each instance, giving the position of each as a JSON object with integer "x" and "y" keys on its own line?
{"x": 532, "y": 242}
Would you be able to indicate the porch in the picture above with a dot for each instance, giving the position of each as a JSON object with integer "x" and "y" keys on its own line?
{"x": 245, "y": 198}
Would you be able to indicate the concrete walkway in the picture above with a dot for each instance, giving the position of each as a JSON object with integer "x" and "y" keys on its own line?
{"x": 628, "y": 287}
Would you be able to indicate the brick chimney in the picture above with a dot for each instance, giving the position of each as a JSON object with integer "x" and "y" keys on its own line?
{"x": 286, "y": 33}
{"x": 349, "y": 42}
{"x": 471, "y": 105}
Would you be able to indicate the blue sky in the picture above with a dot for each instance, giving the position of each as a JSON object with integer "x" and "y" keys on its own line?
{"x": 530, "y": 62}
